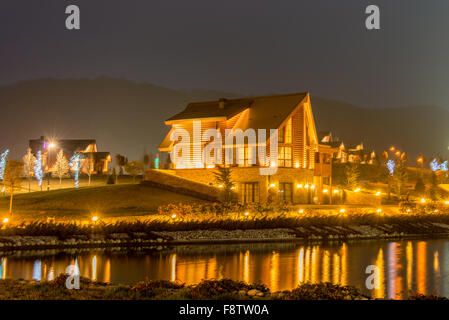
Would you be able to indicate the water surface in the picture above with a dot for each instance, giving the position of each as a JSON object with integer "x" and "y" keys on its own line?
{"x": 405, "y": 266}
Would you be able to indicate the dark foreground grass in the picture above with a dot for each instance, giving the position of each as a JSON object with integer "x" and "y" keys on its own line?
{"x": 165, "y": 290}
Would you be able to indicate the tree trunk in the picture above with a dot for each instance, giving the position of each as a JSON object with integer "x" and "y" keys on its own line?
{"x": 89, "y": 181}
{"x": 60, "y": 181}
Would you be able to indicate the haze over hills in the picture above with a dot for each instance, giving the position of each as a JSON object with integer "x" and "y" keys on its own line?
{"x": 126, "y": 117}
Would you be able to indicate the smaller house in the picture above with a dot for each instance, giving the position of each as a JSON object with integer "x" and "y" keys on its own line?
{"x": 91, "y": 160}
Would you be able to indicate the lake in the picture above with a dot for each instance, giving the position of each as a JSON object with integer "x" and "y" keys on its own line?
{"x": 404, "y": 266}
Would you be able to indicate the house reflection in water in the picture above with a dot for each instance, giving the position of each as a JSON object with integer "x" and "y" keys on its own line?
{"x": 403, "y": 266}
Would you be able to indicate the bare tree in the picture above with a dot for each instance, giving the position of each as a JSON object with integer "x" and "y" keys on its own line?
{"x": 88, "y": 166}
{"x": 134, "y": 168}
{"x": 28, "y": 166}
{"x": 13, "y": 178}
{"x": 61, "y": 167}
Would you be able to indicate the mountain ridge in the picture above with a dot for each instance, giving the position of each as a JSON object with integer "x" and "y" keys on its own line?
{"x": 126, "y": 116}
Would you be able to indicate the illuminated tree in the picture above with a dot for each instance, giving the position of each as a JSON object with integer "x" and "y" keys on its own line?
{"x": 352, "y": 174}
{"x": 38, "y": 169}
{"x": 89, "y": 166}
{"x": 13, "y": 178}
{"x": 400, "y": 178}
{"x": 29, "y": 161}
{"x": 61, "y": 167}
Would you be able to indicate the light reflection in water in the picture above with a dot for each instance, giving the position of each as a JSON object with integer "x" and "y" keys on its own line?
{"x": 403, "y": 266}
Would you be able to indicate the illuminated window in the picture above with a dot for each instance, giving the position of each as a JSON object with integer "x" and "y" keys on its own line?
{"x": 281, "y": 135}
{"x": 285, "y": 157}
{"x": 248, "y": 156}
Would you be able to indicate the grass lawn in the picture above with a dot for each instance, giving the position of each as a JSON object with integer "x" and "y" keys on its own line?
{"x": 105, "y": 201}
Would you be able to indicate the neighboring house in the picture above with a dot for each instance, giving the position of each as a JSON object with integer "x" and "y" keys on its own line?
{"x": 97, "y": 162}
{"x": 296, "y": 179}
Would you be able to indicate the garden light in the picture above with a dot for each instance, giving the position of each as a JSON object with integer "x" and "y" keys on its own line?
{"x": 95, "y": 218}
{"x": 336, "y": 191}
{"x": 6, "y": 220}
{"x": 378, "y": 193}
{"x": 272, "y": 185}
{"x": 325, "y": 191}
{"x": 299, "y": 186}
{"x": 301, "y": 210}
{"x": 220, "y": 186}
{"x": 342, "y": 210}
{"x": 423, "y": 200}
{"x": 357, "y": 190}
{"x": 246, "y": 213}
{"x": 173, "y": 216}
{"x": 379, "y": 210}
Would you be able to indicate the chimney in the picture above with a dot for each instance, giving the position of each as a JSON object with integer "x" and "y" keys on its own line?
{"x": 221, "y": 103}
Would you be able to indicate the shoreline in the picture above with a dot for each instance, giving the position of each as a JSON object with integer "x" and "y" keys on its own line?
{"x": 178, "y": 238}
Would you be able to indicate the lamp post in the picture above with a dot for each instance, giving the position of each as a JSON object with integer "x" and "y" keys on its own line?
{"x": 50, "y": 146}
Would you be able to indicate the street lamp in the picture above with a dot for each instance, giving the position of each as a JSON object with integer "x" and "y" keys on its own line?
{"x": 50, "y": 146}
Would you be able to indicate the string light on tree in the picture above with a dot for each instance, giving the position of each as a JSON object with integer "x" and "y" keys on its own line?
{"x": 390, "y": 165}
{"x": 3, "y": 163}
{"x": 38, "y": 168}
{"x": 434, "y": 165}
{"x": 76, "y": 165}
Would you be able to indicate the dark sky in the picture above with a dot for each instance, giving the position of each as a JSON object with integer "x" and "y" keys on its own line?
{"x": 238, "y": 46}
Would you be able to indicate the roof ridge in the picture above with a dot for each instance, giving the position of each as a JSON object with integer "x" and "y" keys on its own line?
{"x": 251, "y": 98}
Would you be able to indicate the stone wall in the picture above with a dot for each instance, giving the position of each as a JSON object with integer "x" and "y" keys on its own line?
{"x": 252, "y": 174}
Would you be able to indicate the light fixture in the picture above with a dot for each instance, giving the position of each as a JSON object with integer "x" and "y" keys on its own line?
{"x": 336, "y": 191}
{"x": 6, "y": 220}
{"x": 423, "y": 200}
{"x": 357, "y": 190}
{"x": 94, "y": 218}
{"x": 247, "y": 213}
{"x": 299, "y": 186}
{"x": 325, "y": 191}
{"x": 342, "y": 210}
{"x": 272, "y": 185}
{"x": 301, "y": 210}
{"x": 378, "y": 193}
{"x": 220, "y": 186}
{"x": 173, "y": 216}
{"x": 379, "y": 210}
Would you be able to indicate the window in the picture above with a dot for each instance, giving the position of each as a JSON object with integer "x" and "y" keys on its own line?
{"x": 247, "y": 156}
{"x": 286, "y": 191}
{"x": 285, "y": 157}
{"x": 249, "y": 192}
{"x": 281, "y": 135}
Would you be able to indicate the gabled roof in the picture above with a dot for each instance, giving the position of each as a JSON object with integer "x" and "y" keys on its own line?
{"x": 211, "y": 109}
{"x": 265, "y": 112}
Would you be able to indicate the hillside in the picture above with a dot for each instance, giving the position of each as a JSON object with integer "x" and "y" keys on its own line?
{"x": 126, "y": 116}
{"x": 105, "y": 201}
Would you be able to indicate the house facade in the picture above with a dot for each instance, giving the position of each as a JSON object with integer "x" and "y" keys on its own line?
{"x": 303, "y": 168}
{"x": 91, "y": 160}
